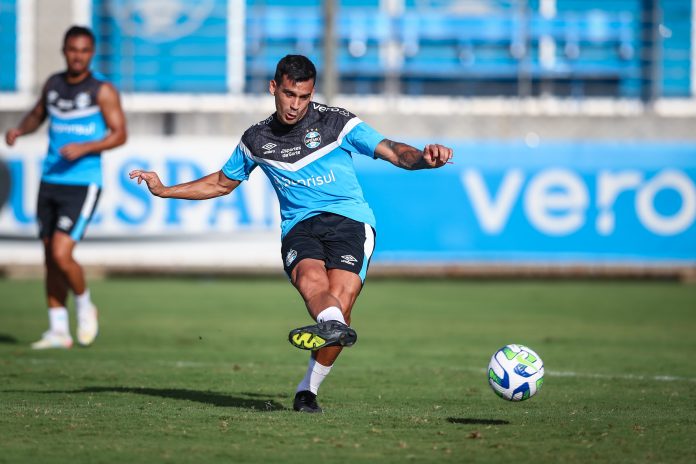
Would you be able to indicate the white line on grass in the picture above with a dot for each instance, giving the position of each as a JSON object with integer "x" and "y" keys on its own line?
{"x": 657, "y": 378}
{"x": 589, "y": 375}
{"x": 181, "y": 364}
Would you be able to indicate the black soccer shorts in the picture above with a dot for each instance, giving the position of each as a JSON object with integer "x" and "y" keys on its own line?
{"x": 66, "y": 208}
{"x": 340, "y": 242}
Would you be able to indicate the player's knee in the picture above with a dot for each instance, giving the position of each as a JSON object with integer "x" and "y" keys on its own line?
{"x": 311, "y": 276}
{"x": 61, "y": 257}
{"x": 312, "y": 286}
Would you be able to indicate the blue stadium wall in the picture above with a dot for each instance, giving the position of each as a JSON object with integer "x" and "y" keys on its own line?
{"x": 557, "y": 202}
{"x": 560, "y": 202}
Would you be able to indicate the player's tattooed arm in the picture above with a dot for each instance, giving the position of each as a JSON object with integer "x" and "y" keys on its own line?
{"x": 211, "y": 186}
{"x": 407, "y": 157}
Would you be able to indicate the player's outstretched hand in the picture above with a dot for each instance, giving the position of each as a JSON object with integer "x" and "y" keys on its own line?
{"x": 436, "y": 155}
{"x": 151, "y": 179}
{"x": 12, "y": 135}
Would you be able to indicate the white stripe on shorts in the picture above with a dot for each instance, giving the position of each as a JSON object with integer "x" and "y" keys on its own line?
{"x": 369, "y": 242}
{"x": 90, "y": 200}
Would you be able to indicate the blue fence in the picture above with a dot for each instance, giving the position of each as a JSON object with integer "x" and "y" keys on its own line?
{"x": 8, "y": 45}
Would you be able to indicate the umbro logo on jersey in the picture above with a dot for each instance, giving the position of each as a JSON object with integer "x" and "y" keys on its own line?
{"x": 269, "y": 147}
{"x": 349, "y": 259}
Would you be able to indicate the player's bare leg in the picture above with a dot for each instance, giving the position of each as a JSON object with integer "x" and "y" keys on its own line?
{"x": 64, "y": 273}
{"x": 56, "y": 285}
{"x": 329, "y": 297}
{"x": 87, "y": 324}
{"x": 58, "y": 334}
{"x": 61, "y": 251}
{"x": 344, "y": 286}
{"x": 312, "y": 280}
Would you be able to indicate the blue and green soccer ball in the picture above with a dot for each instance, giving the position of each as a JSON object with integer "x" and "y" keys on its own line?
{"x": 515, "y": 372}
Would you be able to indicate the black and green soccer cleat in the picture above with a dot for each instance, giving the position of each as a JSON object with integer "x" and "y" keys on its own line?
{"x": 306, "y": 401}
{"x": 322, "y": 334}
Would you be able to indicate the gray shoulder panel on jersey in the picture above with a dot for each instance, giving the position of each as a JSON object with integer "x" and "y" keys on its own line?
{"x": 299, "y": 164}
{"x": 74, "y": 114}
{"x": 72, "y": 101}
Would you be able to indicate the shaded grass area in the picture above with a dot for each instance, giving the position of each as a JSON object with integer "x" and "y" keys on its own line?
{"x": 189, "y": 370}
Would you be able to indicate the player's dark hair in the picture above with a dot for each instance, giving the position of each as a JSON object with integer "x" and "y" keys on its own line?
{"x": 77, "y": 31}
{"x": 297, "y": 68}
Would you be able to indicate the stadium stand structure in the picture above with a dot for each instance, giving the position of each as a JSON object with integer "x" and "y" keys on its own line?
{"x": 483, "y": 48}
{"x": 140, "y": 53}
{"x": 596, "y": 52}
{"x": 677, "y": 67}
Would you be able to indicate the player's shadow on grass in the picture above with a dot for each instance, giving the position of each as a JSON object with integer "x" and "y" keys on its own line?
{"x": 469, "y": 420}
{"x": 8, "y": 339}
{"x": 206, "y": 397}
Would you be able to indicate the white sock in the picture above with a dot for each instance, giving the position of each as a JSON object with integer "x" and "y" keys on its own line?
{"x": 332, "y": 313}
{"x": 83, "y": 301}
{"x": 316, "y": 373}
{"x": 58, "y": 320}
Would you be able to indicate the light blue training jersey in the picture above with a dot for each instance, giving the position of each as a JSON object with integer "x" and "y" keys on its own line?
{"x": 310, "y": 163}
{"x": 74, "y": 116}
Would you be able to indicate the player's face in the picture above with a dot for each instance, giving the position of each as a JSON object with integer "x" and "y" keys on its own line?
{"x": 78, "y": 52}
{"x": 291, "y": 99}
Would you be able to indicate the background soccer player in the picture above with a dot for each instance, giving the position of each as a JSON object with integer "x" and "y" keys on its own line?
{"x": 85, "y": 118}
{"x": 305, "y": 149}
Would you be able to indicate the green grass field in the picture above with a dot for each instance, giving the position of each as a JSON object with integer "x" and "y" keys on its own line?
{"x": 201, "y": 371}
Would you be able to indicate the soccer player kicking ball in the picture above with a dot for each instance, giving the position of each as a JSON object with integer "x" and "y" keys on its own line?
{"x": 328, "y": 234}
{"x": 85, "y": 118}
